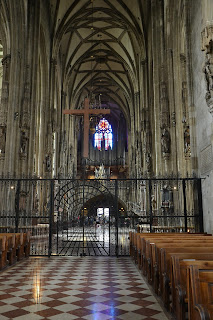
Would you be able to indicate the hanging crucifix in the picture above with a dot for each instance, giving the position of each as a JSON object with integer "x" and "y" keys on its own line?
{"x": 86, "y": 112}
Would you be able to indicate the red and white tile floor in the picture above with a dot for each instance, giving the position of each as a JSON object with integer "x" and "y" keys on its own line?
{"x": 66, "y": 288}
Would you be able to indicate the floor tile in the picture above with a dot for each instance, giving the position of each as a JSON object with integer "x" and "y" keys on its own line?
{"x": 64, "y": 316}
{"x": 15, "y": 313}
{"x": 131, "y": 315}
{"x": 128, "y": 307}
{"x": 98, "y": 316}
{"x": 7, "y": 308}
{"x": 90, "y": 288}
{"x": 32, "y": 316}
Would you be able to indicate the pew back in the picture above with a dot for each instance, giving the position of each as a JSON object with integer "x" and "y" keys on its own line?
{"x": 200, "y": 293}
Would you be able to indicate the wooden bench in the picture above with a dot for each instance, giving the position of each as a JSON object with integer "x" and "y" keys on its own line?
{"x": 3, "y": 252}
{"x": 132, "y": 237}
{"x": 152, "y": 238}
{"x": 165, "y": 267}
{"x": 154, "y": 254}
{"x": 13, "y": 248}
{"x": 26, "y": 244}
{"x": 138, "y": 244}
{"x": 10, "y": 247}
{"x": 151, "y": 251}
{"x": 200, "y": 293}
{"x": 134, "y": 242}
{"x": 179, "y": 281}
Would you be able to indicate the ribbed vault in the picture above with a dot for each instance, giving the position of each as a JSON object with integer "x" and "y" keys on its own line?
{"x": 100, "y": 44}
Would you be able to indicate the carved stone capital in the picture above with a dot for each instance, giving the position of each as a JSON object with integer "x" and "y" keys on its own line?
{"x": 5, "y": 90}
{"x": 2, "y": 139}
{"x": 3, "y": 118}
{"x": 2, "y": 156}
{"x": 48, "y": 162}
{"x": 187, "y": 155}
{"x": 6, "y": 60}
{"x": 25, "y": 119}
{"x": 173, "y": 119}
{"x": 209, "y": 101}
{"x": 182, "y": 58}
{"x": 166, "y": 155}
{"x": 144, "y": 62}
{"x": 207, "y": 37}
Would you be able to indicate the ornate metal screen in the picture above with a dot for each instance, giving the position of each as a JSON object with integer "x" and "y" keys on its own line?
{"x": 94, "y": 217}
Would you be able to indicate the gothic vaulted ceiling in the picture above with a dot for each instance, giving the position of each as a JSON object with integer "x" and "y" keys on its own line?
{"x": 100, "y": 44}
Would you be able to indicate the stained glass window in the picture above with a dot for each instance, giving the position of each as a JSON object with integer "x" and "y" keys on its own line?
{"x": 103, "y": 135}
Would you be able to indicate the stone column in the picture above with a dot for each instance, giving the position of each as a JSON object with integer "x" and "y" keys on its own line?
{"x": 4, "y": 109}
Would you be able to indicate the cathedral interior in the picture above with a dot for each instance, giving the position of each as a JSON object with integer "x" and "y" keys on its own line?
{"x": 106, "y": 128}
{"x": 105, "y": 119}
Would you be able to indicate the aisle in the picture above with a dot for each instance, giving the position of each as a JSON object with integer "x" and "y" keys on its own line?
{"x": 91, "y": 241}
{"x": 90, "y": 288}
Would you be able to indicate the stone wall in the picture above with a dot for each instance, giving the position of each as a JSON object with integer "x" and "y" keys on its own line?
{"x": 201, "y": 13}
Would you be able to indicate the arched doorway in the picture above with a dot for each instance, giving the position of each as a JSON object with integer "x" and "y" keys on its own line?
{"x": 89, "y": 219}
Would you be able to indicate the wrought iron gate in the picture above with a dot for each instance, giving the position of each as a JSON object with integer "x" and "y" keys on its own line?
{"x": 94, "y": 217}
{"x": 89, "y": 220}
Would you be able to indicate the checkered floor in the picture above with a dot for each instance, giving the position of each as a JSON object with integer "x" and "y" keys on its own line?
{"x": 90, "y": 288}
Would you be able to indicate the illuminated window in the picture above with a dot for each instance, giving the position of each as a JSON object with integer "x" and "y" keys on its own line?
{"x": 103, "y": 212}
{"x": 103, "y": 135}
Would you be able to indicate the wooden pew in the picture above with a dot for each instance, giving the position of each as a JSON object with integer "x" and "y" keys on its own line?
{"x": 151, "y": 253}
{"x": 13, "y": 247}
{"x": 10, "y": 247}
{"x": 179, "y": 280}
{"x": 181, "y": 244}
{"x": 135, "y": 238}
{"x": 145, "y": 239}
{"x": 165, "y": 267}
{"x": 138, "y": 245}
{"x": 130, "y": 243}
{"x": 19, "y": 246}
{"x": 3, "y": 252}
{"x": 154, "y": 254}
{"x": 200, "y": 293}
{"x": 24, "y": 248}
{"x": 26, "y": 243}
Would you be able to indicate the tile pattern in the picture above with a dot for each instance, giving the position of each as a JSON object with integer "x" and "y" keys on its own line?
{"x": 98, "y": 240}
{"x": 90, "y": 288}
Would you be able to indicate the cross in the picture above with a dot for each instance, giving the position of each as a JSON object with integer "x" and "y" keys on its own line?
{"x": 86, "y": 112}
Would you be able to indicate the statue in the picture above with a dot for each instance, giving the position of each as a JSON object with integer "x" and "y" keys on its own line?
{"x": 208, "y": 71}
{"x": 165, "y": 141}
{"x": 24, "y": 141}
{"x": 153, "y": 202}
{"x": 187, "y": 140}
{"x": 23, "y": 201}
{"x": 100, "y": 173}
{"x": 48, "y": 163}
{"x": 2, "y": 139}
{"x": 207, "y": 35}
{"x": 36, "y": 203}
{"x": 148, "y": 162}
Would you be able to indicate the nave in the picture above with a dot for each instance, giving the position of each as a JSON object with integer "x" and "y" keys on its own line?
{"x": 98, "y": 240}
{"x": 90, "y": 288}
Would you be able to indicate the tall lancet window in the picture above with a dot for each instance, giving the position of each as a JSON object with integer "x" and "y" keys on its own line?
{"x": 103, "y": 136}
